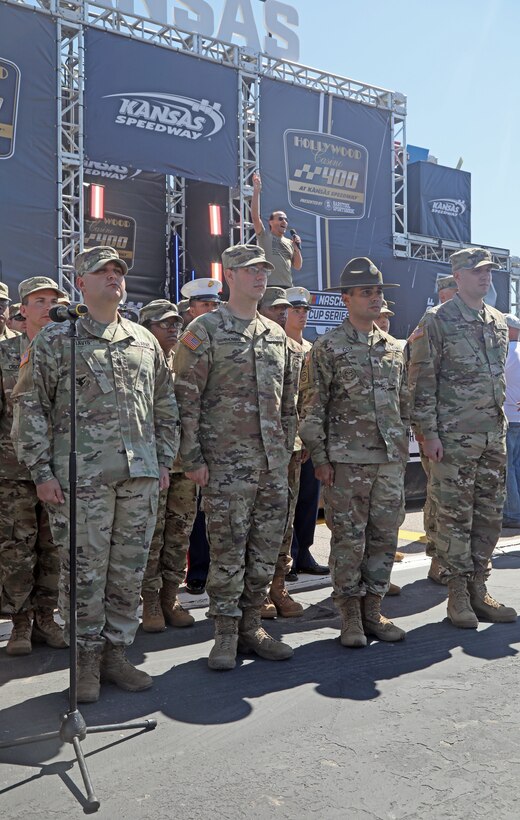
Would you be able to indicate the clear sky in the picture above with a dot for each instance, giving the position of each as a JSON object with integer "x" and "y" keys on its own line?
{"x": 458, "y": 63}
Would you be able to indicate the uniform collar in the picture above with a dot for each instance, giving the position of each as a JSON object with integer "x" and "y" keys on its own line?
{"x": 353, "y": 335}
{"x": 114, "y": 332}
{"x": 468, "y": 314}
{"x": 232, "y": 322}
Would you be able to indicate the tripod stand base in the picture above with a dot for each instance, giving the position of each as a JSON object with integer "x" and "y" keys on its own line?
{"x": 73, "y": 730}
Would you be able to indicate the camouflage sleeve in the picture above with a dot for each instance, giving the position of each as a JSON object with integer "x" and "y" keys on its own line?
{"x": 290, "y": 396}
{"x": 191, "y": 368}
{"x": 315, "y": 403}
{"x": 425, "y": 356}
{"x": 33, "y": 396}
{"x": 166, "y": 414}
{"x": 404, "y": 395}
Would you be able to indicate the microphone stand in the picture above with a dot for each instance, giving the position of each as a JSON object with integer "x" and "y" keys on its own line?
{"x": 73, "y": 728}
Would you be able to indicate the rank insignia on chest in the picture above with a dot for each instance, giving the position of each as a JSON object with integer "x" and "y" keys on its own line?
{"x": 191, "y": 341}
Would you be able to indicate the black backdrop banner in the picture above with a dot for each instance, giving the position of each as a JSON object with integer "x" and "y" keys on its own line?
{"x": 328, "y": 163}
{"x": 439, "y": 202}
{"x": 165, "y": 112}
{"x": 134, "y": 224}
{"x": 28, "y": 165}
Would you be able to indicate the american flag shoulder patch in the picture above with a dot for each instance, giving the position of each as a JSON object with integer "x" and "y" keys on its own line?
{"x": 191, "y": 341}
{"x": 25, "y": 358}
{"x": 417, "y": 334}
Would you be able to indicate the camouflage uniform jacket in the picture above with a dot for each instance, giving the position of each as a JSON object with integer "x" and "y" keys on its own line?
{"x": 296, "y": 356}
{"x": 11, "y": 351}
{"x": 456, "y": 370}
{"x": 8, "y": 334}
{"x": 235, "y": 391}
{"x": 356, "y": 406}
{"x": 127, "y": 416}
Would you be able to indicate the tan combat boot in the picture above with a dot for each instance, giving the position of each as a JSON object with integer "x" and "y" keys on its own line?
{"x": 460, "y": 612}
{"x": 88, "y": 666}
{"x": 116, "y": 667}
{"x": 484, "y": 605}
{"x": 153, "y": 618}
{"x": 223, "y": 654}
{"x": 352, "y": 633}
{"x": 286, "y": 606}
{"x": 376, "y": 624}
{"x": 46, "y": 630}
{"x": 268, "y": 609}
{"x": 20, "y": 641}
{"x": 437, "y": 572}
{"x": 174, "y": 614}
{"x": 252, "y": 637}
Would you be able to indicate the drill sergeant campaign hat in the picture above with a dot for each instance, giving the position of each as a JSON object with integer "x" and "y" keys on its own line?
{"x": 94, "y": 259}
{"x": 299, "y": 297}
{"x": 204, "y": 290}
{"x": 243, "y": 256}
{"x": 444, "y": 282}
{"x": 4, "y": 292}
{"x": 35, "y": 283}
{"x": 274, "y": 296}
{"x": 158, "y": 310}
{"x": 471, "y": 258}
{"x": 361, "y": 272}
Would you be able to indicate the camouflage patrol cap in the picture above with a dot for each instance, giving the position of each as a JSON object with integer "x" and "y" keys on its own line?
{"x": 183, "y": 306}
{"x": 273, "y": 297}
{"x": 4, "y": 291}
{"x": 444, "y": 282}
{"x": 14, "y": 308}
{"x": 471, "y": 258}
{"x": 243, "y": 256}
{"x": 93, "y": 259}
{"x": 386, "y": 310}
{"x": 158, "y": 310}
{"x": 299, "y": 297}
{"x": 361, "y": 272}
{"x": 35, "y": 283}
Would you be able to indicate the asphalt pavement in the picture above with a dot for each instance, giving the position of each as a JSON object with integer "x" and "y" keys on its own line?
{"x": 427, "y": 728}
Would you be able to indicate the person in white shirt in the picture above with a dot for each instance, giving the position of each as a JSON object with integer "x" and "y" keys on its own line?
{"x": 511, "y": 514}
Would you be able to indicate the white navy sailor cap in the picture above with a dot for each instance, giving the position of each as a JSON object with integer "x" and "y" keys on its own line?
{"x": 203, "y": 289}
{"x": 299, "y": 297}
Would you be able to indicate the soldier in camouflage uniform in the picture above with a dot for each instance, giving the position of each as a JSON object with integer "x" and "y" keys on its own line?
{"x": 457, "y": 384}
{"x": 275, "y": 305}
{"x": 166, "y": 567}
{"x": 5, "y": 332}
{"x": 29, "y": 559}
{"x": 16, "y": 321}
{"x": 355, "y": 426}
{"x": 127, "y": 440}
{"x": 235, "y": 391}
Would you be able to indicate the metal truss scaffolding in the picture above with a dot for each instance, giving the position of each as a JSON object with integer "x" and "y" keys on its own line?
{"x": 73, "y": 16}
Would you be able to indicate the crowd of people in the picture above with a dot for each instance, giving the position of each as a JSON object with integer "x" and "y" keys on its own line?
{"x": 224, "y": 410}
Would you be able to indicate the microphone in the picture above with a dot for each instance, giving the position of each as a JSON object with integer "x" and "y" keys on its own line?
{"x": 293, "y": 234}
{"x": 64, "y": 313}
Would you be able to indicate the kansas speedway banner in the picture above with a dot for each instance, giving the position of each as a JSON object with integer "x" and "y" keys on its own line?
{"x": 439, "y": 201}
{"x": 134, "y": 224}
{"x": 327, "y": 162}
{"x": 28, "y": 167}
{"x": 151, "y": 108}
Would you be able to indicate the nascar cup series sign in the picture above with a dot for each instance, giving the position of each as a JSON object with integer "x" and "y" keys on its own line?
{"x": 326, "y": 175}
{"x": 159, "y": 110}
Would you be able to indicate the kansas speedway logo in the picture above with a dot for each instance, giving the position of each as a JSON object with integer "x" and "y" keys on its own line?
{"x": 9, "y": 91}
{"x": 169, "y": 114}
{"x": 448, "y": 207}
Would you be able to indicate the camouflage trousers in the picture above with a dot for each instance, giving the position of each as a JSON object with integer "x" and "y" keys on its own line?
{"x": 115, "y": 525}
{"x": 246, "y": 518}
{"x": 176, "y": 513}
{"x": 468, "y": 490}
{"x": 285, "y": 562}
{"x": 363, "y": 509}
{"x": 29, "y": 558}
{"x": 429, "y": 513}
